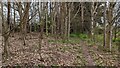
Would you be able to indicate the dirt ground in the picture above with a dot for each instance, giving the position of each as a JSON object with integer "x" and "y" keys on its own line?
{"x": 0, "y": 50}
{"x": 56, "y": 54}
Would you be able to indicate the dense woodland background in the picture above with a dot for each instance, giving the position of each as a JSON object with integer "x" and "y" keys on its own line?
{"x": 60, "y": 33}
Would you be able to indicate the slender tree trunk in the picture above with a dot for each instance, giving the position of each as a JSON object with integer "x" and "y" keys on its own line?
{"x": 82, "y": 16}
{"x": 52, "y": 17}
{"x": 0, "y": 20}
{"x": 41, "y": 20}
{"x": 30, "y": 24}
{"x": 92, "y": 22}
{"x": 3, "y": 26}
{"x": 14, "y": 19}
{"x": 66, "y": 22}
{"x": 104, "y": 42}
{"x": 34, "y": 18}
{"x": 94, "y": 7}
{"x": 115, "y": 31}
{"x": 55, "y": 20}
{"x": 21, "y": 15}
{"x": 46, "y": 13}
{"x": 69, "y": 21}
{"x": 40, "y": 29}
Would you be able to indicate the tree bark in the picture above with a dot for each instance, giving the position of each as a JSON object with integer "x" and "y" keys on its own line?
{"x": 69, "y": 20}
{"x": 104, "y": 42}
{"x": 14, "y": 18}
{"x": 6, "y": 36}
{"x": 46, "y": 14}
{"x": 41, "y": 20}
{"x": 82, "y": 16}
{"x": 66, "y": 22}
{"x": 24, "y": 22}
{"x": 109, "y": 27}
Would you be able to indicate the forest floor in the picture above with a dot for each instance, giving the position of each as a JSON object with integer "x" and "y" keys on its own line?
{"x": 0, "y": 50}
{"x": 56, "y": 53}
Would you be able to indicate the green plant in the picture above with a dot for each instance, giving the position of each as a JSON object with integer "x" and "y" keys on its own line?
{"x": 40, "y": 65}
{"x": 74, "y": 35}
{"x": 51, "y": 40}
{"x": 83, "y": 36}
{"x": 116, "y": 40}
{"x": 54, "y": 66}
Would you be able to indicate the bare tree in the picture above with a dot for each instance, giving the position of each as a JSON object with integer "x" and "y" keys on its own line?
{"x": 5, "y": 31}
{"x": 23, "y": 18}
{"x": 42, "y": 7}
{"x": 109, "y": 26}
{"x": 94, "y": 7}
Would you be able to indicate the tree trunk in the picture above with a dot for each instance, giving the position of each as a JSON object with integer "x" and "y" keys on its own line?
{"x": 46, "y": 14}
{"x": 115, "y": 31}
{"x": 109, "y": 31}
{"x": 5, "y": 32}
{"x": 24, "y": 22}
{"x": 66, "y": 22}
{"x": 69, "y": 21}
{"x": 62, "y": 20}
{"x": 14, "y": 19}
{"x": 104, "y": 42}
{"x": 52, "y": 17}
{"x": 6, "y": 48}
{"x": 92, "y": 22}
{"x": 41, "y": 20}
{"x": 82, "y": 16}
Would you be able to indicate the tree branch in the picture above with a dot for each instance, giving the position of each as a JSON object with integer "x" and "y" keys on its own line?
{"x": 76, "y": 13}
